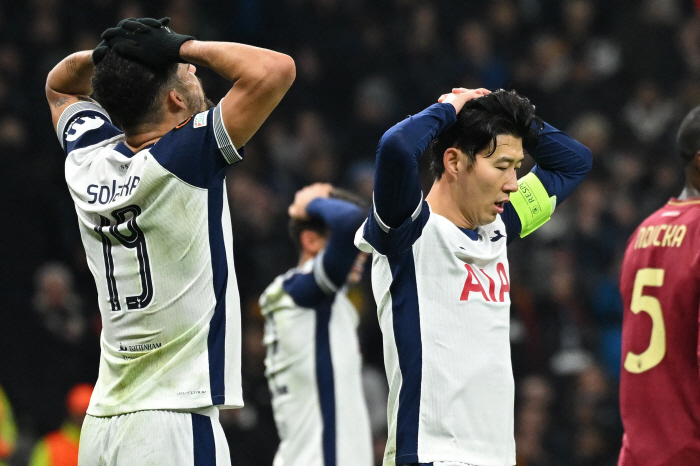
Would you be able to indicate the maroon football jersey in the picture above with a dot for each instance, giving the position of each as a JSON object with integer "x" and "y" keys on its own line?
{"x": 659, "y": 383}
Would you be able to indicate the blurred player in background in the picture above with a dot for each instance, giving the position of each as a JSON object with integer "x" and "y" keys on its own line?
{"x": 154, "y": 220}
{"x": 8, "y": 429}
{"x": 60, "y": 447}
{"x": 314, "y": 365}
{"x": 660, "y": 286}
{"x": 440, "y": 270}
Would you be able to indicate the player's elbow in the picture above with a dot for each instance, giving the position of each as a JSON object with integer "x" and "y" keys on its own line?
{"x": 393, "y": 146}
{"x": 278, "y": 72}
{"x": 586, "y": 158}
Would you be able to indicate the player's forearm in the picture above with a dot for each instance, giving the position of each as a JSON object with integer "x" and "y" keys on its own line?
{"x": 562, "y": 162}
{"x": 397, "y": 190}
{"x": 339, "y": 215}
{"x": 243, "y": 64}
{"x": 343, "y": 218}
{"x": 72, "y": 75}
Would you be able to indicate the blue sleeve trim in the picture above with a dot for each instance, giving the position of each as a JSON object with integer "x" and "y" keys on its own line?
{"x": 396, "y": 240}
{"x": 84, "y": 124}
{"x": 73, "y": 111}
{"x": 304, "y": 290}
{"x": 512, "y": 221}
{"x": 562, "y": 162}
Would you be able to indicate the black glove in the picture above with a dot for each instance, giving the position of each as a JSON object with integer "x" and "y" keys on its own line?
{"x": 99, "y": 53}
{"x": 145, "y": 40}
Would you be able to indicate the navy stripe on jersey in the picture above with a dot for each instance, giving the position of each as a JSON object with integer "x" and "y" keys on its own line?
{"x": 204, "y": 446}
{"x": 324, "y": 379}
{"x": 391, "y": 241}
{"x": 217, "y": 325}
{"x": 406, "y": 321}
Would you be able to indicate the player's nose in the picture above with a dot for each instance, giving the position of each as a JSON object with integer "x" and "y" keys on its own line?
{"x": 511, "y": 184}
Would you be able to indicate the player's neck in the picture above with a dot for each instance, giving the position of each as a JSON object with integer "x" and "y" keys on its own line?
{"x": 442, "y": 199}
{"x": 149, "y": 134}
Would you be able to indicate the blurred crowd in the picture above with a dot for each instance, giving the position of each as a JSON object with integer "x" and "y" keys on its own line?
{"x": 618, "y": 75}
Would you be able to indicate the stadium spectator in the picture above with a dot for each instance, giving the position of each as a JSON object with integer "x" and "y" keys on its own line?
{"x": 60, "y": 447}
{"x": 8, "y": 429}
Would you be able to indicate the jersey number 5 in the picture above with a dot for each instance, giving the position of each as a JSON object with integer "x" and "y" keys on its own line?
{"x": 654, "y": 354}
{"x": 135, "y": 239}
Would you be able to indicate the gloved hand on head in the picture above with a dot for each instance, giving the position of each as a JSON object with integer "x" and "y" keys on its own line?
{"x": 147, "y": 41}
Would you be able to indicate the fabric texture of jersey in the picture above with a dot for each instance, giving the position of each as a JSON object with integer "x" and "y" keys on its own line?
{"x": 444, "y": 309}
{"x": 157, "y": 234}
{"x": 155, "y": 437}
{"x": 314, "y": 366}
{"x": 659, "y": 384}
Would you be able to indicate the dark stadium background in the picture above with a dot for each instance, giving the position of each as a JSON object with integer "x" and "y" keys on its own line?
{"x": 617, "y": 75}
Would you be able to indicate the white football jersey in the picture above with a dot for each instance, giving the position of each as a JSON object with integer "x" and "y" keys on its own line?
{"x": 157, "y": 235}
{"x": 444, "y": 309}
{"x": 313, "y": 366}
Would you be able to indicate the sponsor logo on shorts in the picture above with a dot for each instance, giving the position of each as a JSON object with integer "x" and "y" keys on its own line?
{"x": 193, "y": 392}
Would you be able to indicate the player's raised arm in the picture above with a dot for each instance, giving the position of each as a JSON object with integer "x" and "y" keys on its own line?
{"x": 397, "y": 191}
{"x": 562, "y": 164}
{"x": 335, "y": 260}
{"x": 68, "y": 82}
{"x": 261, "y": 77}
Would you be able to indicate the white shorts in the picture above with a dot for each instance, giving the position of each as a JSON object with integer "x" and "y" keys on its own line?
{"x": 154, "y": 438}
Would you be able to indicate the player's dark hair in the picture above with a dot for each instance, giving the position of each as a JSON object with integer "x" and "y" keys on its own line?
{"x": 480, "y": 121}
{"x": 688, "y": 137}
{"x": 130, "y": 92}
{"x": 297, "y": 226}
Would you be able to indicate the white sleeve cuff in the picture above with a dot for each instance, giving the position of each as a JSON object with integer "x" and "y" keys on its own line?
{"x": 223, "y": 140}
{"x": 320, "y": 276}
{"x": 386, "y": 227}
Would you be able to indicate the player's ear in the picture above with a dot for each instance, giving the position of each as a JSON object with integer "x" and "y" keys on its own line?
{"x": 450, "y": 160}
{"x": 176, "y": 101}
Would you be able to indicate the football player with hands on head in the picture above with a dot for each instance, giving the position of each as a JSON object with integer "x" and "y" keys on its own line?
{"x": 660, "y": 287}
{"x": 313, "y": 362}
{"x": 145, "y": 166}
{"x": 440, "y": 270}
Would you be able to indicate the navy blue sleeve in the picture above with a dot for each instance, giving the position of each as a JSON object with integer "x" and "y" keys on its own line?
{"x": 562, "y": 164}
{"x": 198, "y": 150}
{"x": 397, "y": 190}
{"x": 332, "y": 265}
{"x": 399, "y": 214}
{"x": 512, "y": 222}
{"x": 304, "y": 290}
{"x": 337, "y": 258}
{"x": 84, "y": 124}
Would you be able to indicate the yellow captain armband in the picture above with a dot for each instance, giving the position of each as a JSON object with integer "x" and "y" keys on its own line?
{"x": 532, "y": 203}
